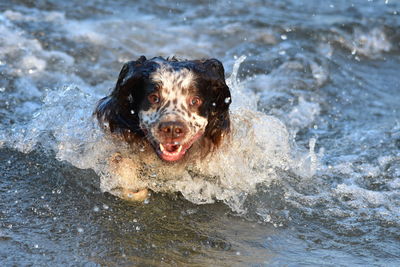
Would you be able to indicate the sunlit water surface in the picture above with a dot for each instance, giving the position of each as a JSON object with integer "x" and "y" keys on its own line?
{"x": 312, "y": 176}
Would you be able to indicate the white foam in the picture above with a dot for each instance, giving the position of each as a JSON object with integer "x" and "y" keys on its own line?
{"x": 242, "y": 97}
{"x": 291, "y": 84}
{"x": 258, "y": 149}
{"x": 303, "y": 114}
{"x": 369, "y": 43}
{"x": 360, "y": 197}
{"x": 32, "y": 64}
{"x": 24, "y": 54}
{"x": 35, "y": 15}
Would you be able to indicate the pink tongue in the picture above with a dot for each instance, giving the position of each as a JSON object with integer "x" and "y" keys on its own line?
{"x": 171, "y": 148}
{"x": 174, "y": 156}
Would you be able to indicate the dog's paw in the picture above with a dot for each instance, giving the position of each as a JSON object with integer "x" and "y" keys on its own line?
{"x": 132, "y": 195}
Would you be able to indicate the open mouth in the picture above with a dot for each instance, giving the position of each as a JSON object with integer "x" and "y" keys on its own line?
{"x": 171, "y": 152}
{"x": 174, "y": 151}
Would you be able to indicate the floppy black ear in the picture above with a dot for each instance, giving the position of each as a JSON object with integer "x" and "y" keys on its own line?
{"x": 218, "y": 117}
{"x": 119, "y": 110}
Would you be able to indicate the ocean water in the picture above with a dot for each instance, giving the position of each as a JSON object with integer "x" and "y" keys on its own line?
{"x": 312, "y": 173}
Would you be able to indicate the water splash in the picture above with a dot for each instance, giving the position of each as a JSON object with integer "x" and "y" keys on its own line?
{"x": 256, "y": 153}
{"x": 366, "y": 42}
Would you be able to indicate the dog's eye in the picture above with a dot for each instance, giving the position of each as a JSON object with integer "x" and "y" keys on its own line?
{"x": 195, "y": 101}
{"x": 154, "y": 98}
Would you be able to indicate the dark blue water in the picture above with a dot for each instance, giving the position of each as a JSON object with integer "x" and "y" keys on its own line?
{"x": 318, "y": 79}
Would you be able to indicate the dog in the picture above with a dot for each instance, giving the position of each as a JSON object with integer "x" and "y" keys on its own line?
{"x": 180, "y": 108}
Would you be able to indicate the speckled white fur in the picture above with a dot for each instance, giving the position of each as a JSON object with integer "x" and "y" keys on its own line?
{"x": 174, "y": 85}
{"x": 169, "y": 78}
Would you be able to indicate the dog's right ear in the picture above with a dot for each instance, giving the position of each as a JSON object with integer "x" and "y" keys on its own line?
{"x": 119, "y": 111}
{"x": 130, "y": 77}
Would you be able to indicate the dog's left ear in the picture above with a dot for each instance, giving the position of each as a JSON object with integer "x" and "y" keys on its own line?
{"x": 119, "y": 110}
{"x": 218, "y": 118}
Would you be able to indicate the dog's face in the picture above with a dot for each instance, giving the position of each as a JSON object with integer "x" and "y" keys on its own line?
{"x": 172, "y": 104}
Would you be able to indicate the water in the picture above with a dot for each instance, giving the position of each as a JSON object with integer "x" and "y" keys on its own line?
{"x": 316, "y": 93}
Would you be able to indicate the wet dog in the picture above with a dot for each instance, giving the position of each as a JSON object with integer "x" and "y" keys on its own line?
{"x": 179, "y": 107}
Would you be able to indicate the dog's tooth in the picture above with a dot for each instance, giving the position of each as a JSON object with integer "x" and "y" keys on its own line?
{"x": 162, "y": 148}
{"x": 179, "y": 149}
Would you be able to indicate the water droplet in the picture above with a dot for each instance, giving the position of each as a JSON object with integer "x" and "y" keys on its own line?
{"x": 213, "y": 104}
{"x": 2, "y": 89}
{"x": 105, "y": 206}
{"x": 36, "y": 246}
{"x": 227, "y": 100}
{"x": 132, "y": 111}
{"x": 79, "y": 229}
{"x": 130, "y": 98}
{"x": 283, "y": 36}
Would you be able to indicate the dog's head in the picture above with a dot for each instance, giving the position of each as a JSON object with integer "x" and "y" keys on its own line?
{"x": 172, "y": 104}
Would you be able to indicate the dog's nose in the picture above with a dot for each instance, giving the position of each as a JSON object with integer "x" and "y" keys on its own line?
{"x": 173, "y": 129}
